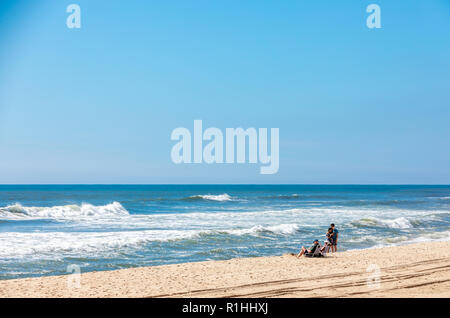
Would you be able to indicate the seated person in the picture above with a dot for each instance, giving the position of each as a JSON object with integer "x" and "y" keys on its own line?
{"x": 312, "y": 249}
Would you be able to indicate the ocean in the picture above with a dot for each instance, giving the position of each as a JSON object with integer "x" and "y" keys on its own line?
{"x": 46, "y": 228}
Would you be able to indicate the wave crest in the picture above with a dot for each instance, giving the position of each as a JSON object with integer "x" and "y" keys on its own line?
{"x": 398, "y": 223}
{"x": 282, "y": 229}
{"x": 17, "y": 211}
{"x": 209, "y": 197}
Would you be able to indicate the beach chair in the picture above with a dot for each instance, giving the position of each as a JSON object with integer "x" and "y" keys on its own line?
{"x": 317, "y": 252}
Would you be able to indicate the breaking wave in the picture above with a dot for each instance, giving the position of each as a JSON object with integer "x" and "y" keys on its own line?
{"x": 209, "y": 197}
{"x": 398, "y": 223}
{"x": 282, "y": 229}
{"x": 17, "y": 211}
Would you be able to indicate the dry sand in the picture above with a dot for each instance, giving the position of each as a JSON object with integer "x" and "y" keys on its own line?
{"x": 416, "y": 270}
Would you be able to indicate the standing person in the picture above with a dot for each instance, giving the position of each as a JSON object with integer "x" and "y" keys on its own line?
{"x": 329, "y": 240}
{"x": 335, "y": 238}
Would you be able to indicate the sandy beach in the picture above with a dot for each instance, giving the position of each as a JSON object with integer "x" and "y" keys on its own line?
{"x": 416, "y": 270}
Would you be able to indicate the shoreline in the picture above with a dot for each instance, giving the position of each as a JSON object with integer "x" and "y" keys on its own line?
{"x": 413, "y": 270}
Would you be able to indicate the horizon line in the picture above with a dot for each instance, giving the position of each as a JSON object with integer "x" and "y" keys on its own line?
{"x": 271, "y": 184}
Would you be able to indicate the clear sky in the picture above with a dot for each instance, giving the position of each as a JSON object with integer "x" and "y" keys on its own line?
{"x": 98, "y": 104}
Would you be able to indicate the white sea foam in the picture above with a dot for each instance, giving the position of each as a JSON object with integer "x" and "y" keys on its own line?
{"x": 403, "y": 240}
{"x": 108, "y": 229}
{"x": 56, "y": 244}
{"x": 17, "y": 211}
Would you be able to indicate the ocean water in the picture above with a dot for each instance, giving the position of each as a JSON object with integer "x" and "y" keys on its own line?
{"x": 44, "y": 229}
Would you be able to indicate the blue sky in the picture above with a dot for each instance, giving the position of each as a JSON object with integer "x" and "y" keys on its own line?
{"x": 98, "y": 104}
